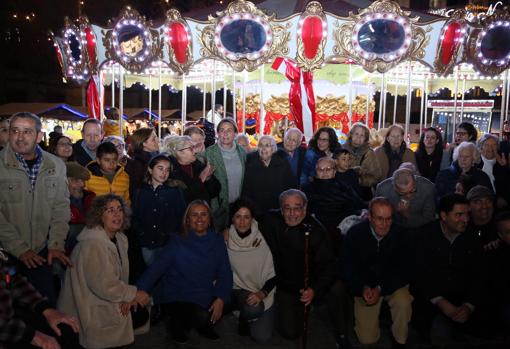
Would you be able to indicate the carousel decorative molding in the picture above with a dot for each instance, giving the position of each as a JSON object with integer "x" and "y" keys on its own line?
{"x": 59, "y": 47}
{"x": 178, "y": 41}
{"x": 88, "y": 43}
{"x": 131, "y": 41}
{"x": 77, "y": 67}
{"x": 244, "y": 37}
{"x": 489, "y": 45}
{"x": 380, "y": 37}
{"x": 450, "y": 43}
{"x": 312, "y": 35}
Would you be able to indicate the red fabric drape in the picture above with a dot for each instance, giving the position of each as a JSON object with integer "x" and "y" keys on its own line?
{"x": 93, "y": 103}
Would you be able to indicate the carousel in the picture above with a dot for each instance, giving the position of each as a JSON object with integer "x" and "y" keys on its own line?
{"x": 308, "y": 70}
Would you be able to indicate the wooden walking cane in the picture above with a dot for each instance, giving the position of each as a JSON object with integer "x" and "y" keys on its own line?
{"x": 305, "y": 286}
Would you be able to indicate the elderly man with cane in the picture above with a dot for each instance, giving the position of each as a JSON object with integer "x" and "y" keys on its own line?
{"x": 304, "y": 264}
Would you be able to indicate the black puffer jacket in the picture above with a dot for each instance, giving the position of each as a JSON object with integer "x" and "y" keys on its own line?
{"x": 264, "y": 184}
{"x": 193, "y": 187}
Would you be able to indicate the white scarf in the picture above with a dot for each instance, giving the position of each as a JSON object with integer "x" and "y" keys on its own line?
{"x": 251, "y": 261}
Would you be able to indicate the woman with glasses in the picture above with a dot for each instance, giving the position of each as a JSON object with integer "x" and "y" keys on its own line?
{"x": 96, "y": 288}
{"x": 365, "y": 163}
{"x": 195, "y": 174}
{"x": 61, "y": 146}
{"x": 120, "y": 145}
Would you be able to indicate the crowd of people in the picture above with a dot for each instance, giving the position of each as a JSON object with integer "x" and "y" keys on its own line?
{"x": 102, "y": 237}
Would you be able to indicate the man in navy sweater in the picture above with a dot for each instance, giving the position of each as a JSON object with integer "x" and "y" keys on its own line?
{"x": 376, "y": 268}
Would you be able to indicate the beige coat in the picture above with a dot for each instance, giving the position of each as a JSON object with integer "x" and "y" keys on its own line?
{"x": 364, "y": 159}
{"x": 383, "y": 162}
{"x": 95, "y": 287}
{"x": 32, "y": 220}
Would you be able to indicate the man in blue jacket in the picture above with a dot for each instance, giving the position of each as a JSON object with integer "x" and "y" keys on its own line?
{"x": 376, "y": 268}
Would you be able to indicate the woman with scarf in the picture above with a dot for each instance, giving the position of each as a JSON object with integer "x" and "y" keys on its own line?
{"x": 254, "y": 276}
{"x": 393, "y": 152}
{"x": 365, "y": 163}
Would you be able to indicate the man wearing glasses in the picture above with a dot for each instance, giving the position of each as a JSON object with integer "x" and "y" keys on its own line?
{"x": 34, "y": 204}
{"x": 412, "y": 197}
{"x": 376, "y": 262}
{"x": 285, "y": 232}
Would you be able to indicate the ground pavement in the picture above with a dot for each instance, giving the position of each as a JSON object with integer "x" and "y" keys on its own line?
{"x": 320, "y": 337}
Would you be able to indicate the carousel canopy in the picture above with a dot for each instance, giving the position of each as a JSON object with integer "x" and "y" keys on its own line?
{"x": 59, "y": 111}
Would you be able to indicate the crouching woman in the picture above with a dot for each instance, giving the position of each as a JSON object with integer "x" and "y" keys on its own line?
{"x": 195, "y": 276}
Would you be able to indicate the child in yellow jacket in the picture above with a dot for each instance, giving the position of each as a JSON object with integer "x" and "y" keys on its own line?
{"x": 106, "y": 175}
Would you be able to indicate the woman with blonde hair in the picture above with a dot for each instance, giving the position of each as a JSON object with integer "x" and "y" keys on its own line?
{"x": 195, "y": 173}
{"x": 194, "y": 273}
{"x": 365, "y": 162}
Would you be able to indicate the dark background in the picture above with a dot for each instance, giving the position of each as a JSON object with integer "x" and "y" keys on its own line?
{"x": 29, "y": 71}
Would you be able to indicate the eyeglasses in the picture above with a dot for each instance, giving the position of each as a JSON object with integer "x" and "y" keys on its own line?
{"x": 183, "y": 149}
{"x": 4, "y": 129}
{"x": 25, "y": 132}
{"x": 113, "y": 210}
{"x": 65, "y": 144}
{"x": 325, "y": 169}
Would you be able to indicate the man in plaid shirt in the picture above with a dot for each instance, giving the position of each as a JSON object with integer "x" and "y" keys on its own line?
{"x": 23, "y": 309}
{"x": 34, "y": 204}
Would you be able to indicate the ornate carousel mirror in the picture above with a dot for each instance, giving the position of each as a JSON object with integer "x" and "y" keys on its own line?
{"x": 131, "y": 42}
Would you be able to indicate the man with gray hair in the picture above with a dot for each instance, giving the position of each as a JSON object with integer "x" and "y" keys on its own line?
{"x": 34, "y": 204}
{"x": 294, "y": 149}
{"x": 412, "y": 198}
{"x": 297, "y": 239}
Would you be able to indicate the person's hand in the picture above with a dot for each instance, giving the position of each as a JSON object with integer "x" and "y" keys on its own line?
{"x": 492, "y": 245}
{"x": 206, "y": 172}
{"x": 142, "y": 298}
{"x": 255, "y": 298}
{"x": 357, "y": 169}
{"x": 55, "y": 317}
{"x": 371, "y": 295}
{"x": 41, "y": 340}
{"x": 31, "y": 259}
{"x": 216, "y": 309}
{"x": 403, "y": 208}
{"x": 376, "y": 294}
{"x": 60, "y": 255}
{"x": 125, "y": 307}
{"x": 447, "y": 308}
{"x": 463, "y": 314}
{"x": 501, "y": 160}
{"x": 307, "y": 296}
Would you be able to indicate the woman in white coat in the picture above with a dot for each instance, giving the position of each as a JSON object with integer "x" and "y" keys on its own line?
{"x": 96, "y": 288}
